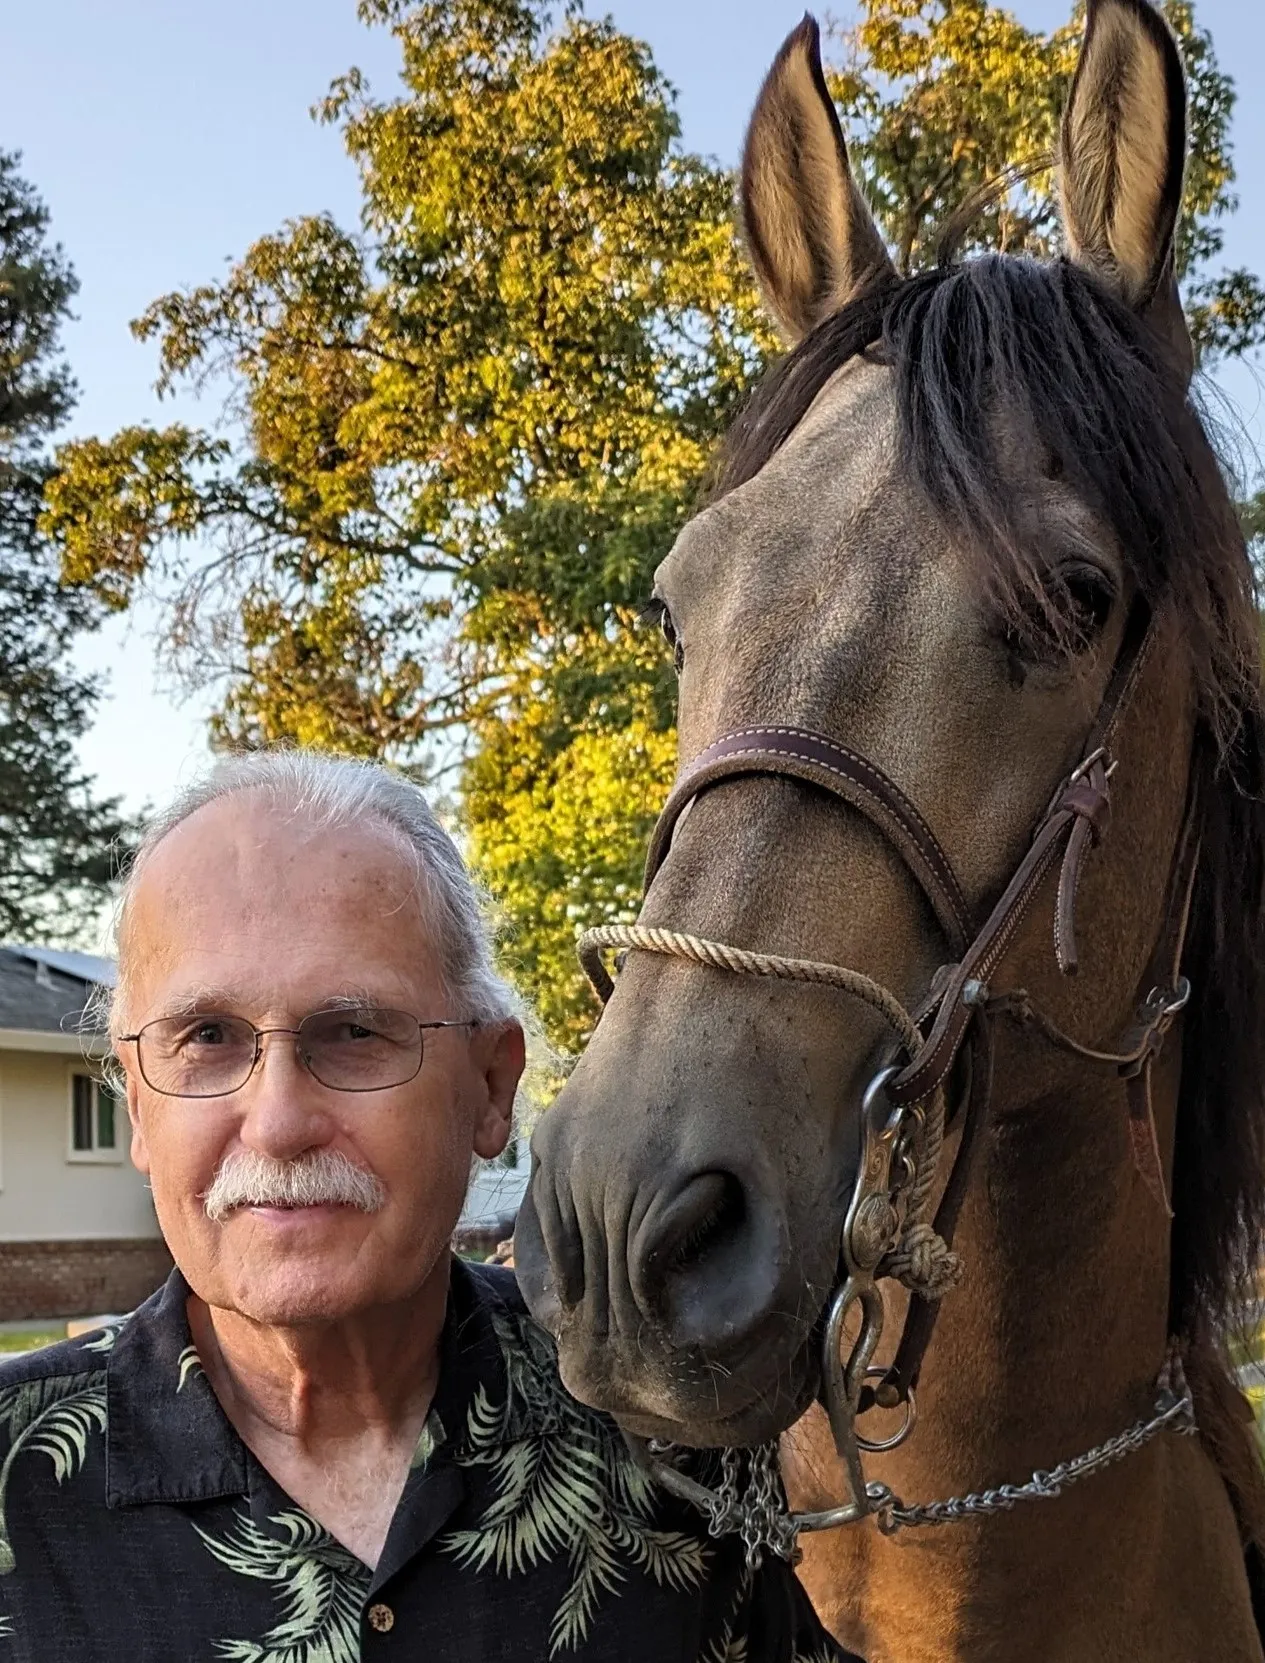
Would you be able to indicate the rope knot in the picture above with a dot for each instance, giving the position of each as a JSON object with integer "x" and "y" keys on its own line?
{"x": 924, "y": 1262}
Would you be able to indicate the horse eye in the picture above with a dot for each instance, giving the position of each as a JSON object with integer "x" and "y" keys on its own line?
{"x": 1088, "y": 598}
{"x": 1066, "y": 621}
{"x": 673, "y": 639}
{"x": 657, "y": 612}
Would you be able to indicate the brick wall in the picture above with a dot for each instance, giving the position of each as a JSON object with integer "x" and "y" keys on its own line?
{"x": 78, "y": 1278}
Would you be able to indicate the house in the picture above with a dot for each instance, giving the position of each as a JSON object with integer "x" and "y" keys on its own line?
{"x": 78, "y": 1233}
{"x": 496, "y": 1192}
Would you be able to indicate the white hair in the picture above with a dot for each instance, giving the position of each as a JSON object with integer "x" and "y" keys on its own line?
{"x": 316, "y": 1178}
{"x": 335, "y": 792}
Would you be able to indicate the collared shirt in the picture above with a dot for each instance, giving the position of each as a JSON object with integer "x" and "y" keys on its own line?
{"x": 135, "y": 1525}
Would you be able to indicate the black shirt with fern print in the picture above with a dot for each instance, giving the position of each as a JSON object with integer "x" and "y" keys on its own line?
{"x": 136, "y": 1527}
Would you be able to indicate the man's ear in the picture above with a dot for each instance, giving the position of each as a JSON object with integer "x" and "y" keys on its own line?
{"x": 501, "y": 1065}
{"x": 1122, "y": 160}
{"x": 812, "y": 240}
{"x": 140, "y": 1150}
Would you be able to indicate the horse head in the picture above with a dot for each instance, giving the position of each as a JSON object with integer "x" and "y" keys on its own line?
{"x": 931, "y": 535}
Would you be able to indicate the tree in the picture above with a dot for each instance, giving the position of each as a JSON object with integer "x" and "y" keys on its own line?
{"x": 56, "y": 839}
{"x": 463, "y": 438}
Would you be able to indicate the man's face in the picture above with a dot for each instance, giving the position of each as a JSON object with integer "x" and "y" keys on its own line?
{"x": 246, "y": 911}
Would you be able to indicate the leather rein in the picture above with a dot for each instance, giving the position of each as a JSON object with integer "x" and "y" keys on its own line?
{"x": 904, "y": 1113}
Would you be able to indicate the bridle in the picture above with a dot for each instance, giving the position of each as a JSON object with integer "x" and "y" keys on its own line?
{"x": 887, "y": 1230}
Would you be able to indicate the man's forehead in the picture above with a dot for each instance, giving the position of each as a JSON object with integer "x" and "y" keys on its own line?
{"x": 185, "y": 995}
{"x": 245, "y": 846}
{"x": 241, "y": 892}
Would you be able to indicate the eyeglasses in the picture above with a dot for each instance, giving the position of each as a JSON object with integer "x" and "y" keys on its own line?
{"x": 208, "y": 1055}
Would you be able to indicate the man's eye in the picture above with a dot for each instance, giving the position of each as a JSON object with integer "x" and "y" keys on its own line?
{"x": 197, "y": 1036}
{"x": 346, "y": 1030}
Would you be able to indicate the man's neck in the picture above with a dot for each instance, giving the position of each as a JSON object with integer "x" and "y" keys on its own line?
{"x": 375, "y": 1368}
{"x": 333, "y": 1411}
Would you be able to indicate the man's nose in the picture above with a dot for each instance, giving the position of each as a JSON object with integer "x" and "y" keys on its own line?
{"x": 283, "y": 1104}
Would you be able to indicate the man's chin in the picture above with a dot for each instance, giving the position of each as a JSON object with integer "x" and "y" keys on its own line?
{"x": 318, "y": 1272}
{"x": 280, "y": 1301}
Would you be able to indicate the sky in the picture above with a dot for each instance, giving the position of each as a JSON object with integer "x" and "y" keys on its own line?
{"x": 166, "y": 136}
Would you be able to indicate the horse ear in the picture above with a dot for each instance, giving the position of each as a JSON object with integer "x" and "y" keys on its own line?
{"x": 1122, "y": 156}
{"x": 812, "y": 240}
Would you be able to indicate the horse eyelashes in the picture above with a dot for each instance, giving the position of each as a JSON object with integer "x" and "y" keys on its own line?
{"x": 656, "y": 611}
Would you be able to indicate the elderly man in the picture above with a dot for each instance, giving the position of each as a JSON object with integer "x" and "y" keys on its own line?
{"x": 324, "y": 1438}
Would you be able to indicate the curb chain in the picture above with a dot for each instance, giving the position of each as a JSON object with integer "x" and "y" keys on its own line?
{"x": 1174, "y": 1410}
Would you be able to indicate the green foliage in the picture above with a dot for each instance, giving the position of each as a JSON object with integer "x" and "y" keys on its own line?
{"x": 55, "y": 837}
{"x": 560, "y": 799}
{"x": 941, "y": 99}
{"x": 462, "y": 438}
{"x": 1252, "y": 517}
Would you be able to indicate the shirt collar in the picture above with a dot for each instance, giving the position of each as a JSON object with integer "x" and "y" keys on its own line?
{"x": 168, "y": 1439}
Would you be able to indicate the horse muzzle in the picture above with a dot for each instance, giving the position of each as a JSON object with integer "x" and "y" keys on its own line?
{"x": 670, "y": 1286}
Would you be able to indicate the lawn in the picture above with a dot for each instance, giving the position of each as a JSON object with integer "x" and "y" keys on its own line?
{"x": 28, "y": 1340}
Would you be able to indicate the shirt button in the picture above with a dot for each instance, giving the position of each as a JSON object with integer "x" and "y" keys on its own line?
{"x": 381, "y": 1618}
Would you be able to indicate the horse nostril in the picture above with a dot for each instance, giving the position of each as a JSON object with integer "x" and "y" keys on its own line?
{"x": 706, "y": 1263}
{"x": 710, "y": 1212}
{"x": 684, "y": 1238}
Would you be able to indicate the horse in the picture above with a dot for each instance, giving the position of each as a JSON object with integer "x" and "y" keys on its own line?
{"x": 970, "y": 567}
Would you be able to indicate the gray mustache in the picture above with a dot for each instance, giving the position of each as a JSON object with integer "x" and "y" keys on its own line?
{"x": 318, "y": 1178}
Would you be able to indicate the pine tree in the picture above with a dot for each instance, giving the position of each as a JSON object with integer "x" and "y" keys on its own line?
{"x": 56, "y": 837}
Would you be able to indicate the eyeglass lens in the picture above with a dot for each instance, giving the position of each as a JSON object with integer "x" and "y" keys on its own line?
{"x": 362, "y": 1049}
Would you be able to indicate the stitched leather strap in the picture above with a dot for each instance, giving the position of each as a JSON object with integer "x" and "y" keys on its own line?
{"x": 799, "y": 754}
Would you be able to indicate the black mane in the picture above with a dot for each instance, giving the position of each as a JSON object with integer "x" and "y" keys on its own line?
{"x": 1110, "y": 410}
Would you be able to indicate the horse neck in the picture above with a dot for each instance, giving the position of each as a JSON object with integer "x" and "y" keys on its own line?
{"x": 1056, "y": 1337}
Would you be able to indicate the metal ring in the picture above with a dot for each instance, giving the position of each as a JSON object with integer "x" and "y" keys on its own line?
{"x": 1082, "y": 768}
{"x": 880, "y": 1446}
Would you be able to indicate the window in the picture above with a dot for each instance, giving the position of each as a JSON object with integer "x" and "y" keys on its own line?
{"x": 94, "y": 1127}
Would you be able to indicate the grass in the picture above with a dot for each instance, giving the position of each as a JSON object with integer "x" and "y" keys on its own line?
{"x": 28, "y": 1340}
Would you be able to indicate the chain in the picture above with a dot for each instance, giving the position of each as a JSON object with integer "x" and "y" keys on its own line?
{"x": 1174, "y": 1410}
{"x": 757, "y": 1512}
{"x": 726, "y": 1512}
{"x": 766, "y": 1520}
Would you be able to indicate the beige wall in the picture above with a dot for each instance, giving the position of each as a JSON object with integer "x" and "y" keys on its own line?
{"x": 44, "y": 1194}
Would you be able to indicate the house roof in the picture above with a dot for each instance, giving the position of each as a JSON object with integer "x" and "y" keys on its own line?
{"x": 87, "y": 967}
{"x": 43, "y": 990}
